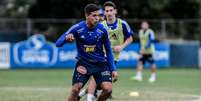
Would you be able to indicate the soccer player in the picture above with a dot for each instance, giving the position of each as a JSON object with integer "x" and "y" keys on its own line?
{"x": 101, "y": 14}
{"x": 91, "y": 37}
{"x": 147, "y": 50}
{"x": 120, "y": 35}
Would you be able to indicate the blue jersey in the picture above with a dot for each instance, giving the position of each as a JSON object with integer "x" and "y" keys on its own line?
{"x": 90, "y": 42}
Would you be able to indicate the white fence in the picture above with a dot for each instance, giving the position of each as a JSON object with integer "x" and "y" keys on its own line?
{"x": 164, "y": 28}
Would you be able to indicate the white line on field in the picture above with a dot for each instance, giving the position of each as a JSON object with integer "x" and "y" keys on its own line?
{"x": 197, "y": 99}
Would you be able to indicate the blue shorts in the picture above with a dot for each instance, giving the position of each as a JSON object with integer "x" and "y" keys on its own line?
{"x": 100, "y": 71}
{"x": 147, "y": 57}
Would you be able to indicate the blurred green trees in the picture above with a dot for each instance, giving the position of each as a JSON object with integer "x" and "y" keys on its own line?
{"x": 139, "y": 9}
{"x": 134, "y": 9}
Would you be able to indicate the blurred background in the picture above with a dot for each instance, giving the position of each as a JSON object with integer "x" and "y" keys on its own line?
{"x": 29, "y": 29}
{"x": 176, "y": 22}
{"x": 171, "y": 19}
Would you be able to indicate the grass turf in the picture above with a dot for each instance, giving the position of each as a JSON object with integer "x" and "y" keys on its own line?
{"x": 54, "y": 85}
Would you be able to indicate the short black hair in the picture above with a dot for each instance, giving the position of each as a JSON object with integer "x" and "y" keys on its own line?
{"x": 109, "y": 3}
{"x": 90, "y": 8}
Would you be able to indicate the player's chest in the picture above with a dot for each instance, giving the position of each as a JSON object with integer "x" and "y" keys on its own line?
{"x": 115, "y": 34}
{"x": 144, "y": 35}
{"x": 144, "y": 38}
{"x": 89, "y": 37}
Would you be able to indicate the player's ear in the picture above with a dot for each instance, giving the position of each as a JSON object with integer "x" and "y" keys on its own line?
{"x": 115, "y": 10}
{"x": 86, "y": 16}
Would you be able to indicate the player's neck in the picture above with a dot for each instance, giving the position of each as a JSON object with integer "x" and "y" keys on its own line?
{"x": 90, "y": 25}
{"x": 111, "y": 21}
{"x": 145, "y": 29}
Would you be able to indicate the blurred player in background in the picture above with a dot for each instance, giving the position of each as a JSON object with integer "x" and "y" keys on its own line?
{"x": 147, "y": 50}
{"x": 120, "y": 35}
{"x": 91, "y": 37}
{"x": 101, "y": 14}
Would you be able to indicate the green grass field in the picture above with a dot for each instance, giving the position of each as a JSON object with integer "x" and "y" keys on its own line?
{"x": 54, "y": 85}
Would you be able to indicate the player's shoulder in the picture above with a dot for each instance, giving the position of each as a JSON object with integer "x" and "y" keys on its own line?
{"x": 101, "y": 26}
{"x": 103, "y": 22}
{"x": 125, "y": 25}
{"x": 123, "y": 21}
{"x": 75, "y": 26}
{"x": 150, "y": 30}
{"x": 141, "y": 30}
{"x": 79, "y": 25}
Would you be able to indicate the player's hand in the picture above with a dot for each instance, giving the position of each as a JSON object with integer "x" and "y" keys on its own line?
{"x": 70, "y": 37}
{"x": 118, "y": 48}
{"x": 114, "y": 76}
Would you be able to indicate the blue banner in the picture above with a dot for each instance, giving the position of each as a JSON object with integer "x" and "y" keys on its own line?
{"x": 130, "y": 55}
{"x": 37, "y": 53}
{"x": 34, "y": 53}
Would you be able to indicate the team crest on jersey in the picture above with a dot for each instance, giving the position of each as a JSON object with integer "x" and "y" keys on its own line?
{"x": 114, "y": 36}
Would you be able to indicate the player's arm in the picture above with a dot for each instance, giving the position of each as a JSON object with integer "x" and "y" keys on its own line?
{"x": 110, "y": 57}
{"x": 151, "y": 39}
{"x": 128, "y": 34}
{"x": 142, "y": 49}
{"x": 67, "y": 36}
{"x": 128, "y": 37}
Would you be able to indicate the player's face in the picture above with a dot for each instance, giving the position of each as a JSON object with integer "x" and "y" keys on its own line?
{"x": 110, "y": 12}
{"x": 93, "y": 18}
{"x": 145, "y": 25}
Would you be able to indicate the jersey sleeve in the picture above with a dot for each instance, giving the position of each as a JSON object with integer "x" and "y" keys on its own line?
{"x": 108, "y": 49}
{"x": 151, "y": 39}
{"x": 151, "y": 35}
{"x": 126, "y": 29}
{"x": 62, "y": 40}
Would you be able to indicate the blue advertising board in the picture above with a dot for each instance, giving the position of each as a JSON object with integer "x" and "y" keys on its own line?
{"x": 130, "y": 55}
{"x": 36, "y": 52}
